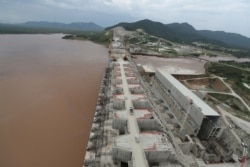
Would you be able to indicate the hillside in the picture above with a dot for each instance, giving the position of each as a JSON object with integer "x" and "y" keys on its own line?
{"x": 184, "y": 32}
{"x": 151, "y": 27}
{"x": 49, "y": 27}
{"x": 160, "y": 30}
{"x": 232, "y": 39}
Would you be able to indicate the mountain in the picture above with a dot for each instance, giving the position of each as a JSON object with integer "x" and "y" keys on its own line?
{"x": 184, "y": 32}
{"x": 232, "y": 39}
{"x": 182, "y": 27}
{"x": 175, "y": 32}
{"x": 154, "y": 28}
{"x": 73, "y": 26}
{"x": 151, "y": 27}
{"x": 49, "y": 27}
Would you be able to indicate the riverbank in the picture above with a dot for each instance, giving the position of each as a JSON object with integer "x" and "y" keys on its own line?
{"x": 102, "y": 38}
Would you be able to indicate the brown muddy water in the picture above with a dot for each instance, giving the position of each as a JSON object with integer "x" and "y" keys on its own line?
{"x": 48, "y": 91}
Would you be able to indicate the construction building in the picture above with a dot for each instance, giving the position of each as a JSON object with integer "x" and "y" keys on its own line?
{"x": 195, "y": 116}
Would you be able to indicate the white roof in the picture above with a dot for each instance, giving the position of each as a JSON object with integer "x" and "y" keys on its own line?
{"x": 148, "y": 69}
{"x": 139, "y": 114}
{"x": 205, "y": 109}
{"x": 148, "y": 141}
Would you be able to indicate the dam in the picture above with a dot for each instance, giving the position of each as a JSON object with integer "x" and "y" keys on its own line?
{"x": 125, "y": 128}
{"x": 146, "y": 118}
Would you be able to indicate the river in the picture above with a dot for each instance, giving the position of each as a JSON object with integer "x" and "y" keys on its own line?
{"x": 48, "y": 91}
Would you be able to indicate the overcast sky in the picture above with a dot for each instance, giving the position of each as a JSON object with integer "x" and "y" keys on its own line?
{"x": 227, "y": 15}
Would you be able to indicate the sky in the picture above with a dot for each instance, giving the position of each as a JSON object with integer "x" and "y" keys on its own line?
{"x": 226, "y": 15}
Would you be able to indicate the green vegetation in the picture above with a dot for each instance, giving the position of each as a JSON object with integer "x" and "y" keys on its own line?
{"x": 239, "y": 53}
{"x": 98, "y": 37}
{"x": 233, "y": 103}
{"x": 244, "y": 65}
{"x": 219, "y": 48}
{"x": 170, "y": 53}
{"x": 153, "y": 39}
{"x": 229, "y": 72}
{"x": 221, "y": 97}
{"x": 235, "y": 76}
{"x": 133, "y": 40}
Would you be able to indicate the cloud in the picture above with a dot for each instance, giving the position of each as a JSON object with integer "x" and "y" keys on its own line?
{"x": 90, "y": 5}
{"x": 229, "y": 15}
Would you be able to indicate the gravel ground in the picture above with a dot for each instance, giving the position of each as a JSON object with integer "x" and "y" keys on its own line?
{"x": 173, "y": 65}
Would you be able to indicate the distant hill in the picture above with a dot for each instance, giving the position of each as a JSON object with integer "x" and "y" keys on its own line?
{"x": 49, "y": 27}
{"x": 184, "y": 32}
{"x": 151, "y": 27}
{"x": 74, "y": 26}
{"x": 231, "y": 39}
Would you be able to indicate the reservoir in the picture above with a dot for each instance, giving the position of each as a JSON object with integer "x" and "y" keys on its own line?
{"x": 48, "y": 92}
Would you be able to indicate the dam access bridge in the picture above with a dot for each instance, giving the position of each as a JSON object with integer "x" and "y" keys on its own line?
{"x": 138, "y": 154}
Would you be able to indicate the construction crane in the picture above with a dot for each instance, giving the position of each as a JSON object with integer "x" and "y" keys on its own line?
{"x": 244, "y": 155}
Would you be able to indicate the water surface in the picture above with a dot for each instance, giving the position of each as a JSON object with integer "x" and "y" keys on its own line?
{"x": 48, "y": 91}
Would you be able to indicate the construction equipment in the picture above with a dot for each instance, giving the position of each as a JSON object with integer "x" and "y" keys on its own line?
{"x": 244, "y": 155}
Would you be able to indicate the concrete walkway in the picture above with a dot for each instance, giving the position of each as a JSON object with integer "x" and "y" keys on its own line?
{"x": 138, "y": 155}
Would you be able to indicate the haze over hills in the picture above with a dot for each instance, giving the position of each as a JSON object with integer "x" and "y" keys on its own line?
{"x": 50, "y": 27}
{"x": 74, "y": 26}
{"x": 177, "y": 32}
{"x": 184, "y": 32}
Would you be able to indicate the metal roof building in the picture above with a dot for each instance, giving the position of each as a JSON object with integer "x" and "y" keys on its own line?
{"x": 174, "y": 85}
{"x": 190, "y": 110}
